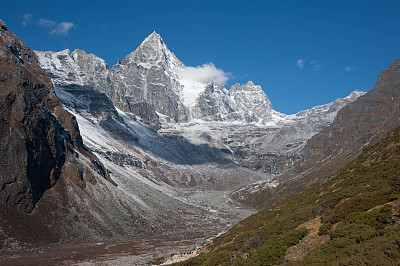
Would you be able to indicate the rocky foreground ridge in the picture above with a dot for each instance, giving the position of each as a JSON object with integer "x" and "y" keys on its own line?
{"x": 40, "y": 141}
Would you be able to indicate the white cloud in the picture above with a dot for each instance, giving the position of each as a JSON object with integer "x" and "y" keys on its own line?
{"x": 204, "y": 74}
{"x": 62, "y": 28}
{"x": 26, "y": 18}
{"x": 314, "y": 63}
{"x": 300, "y": 63}
{"x": 350, "y": 68}
{"x": 47, "y": 24}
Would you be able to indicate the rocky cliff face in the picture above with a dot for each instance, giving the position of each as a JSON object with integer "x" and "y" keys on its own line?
{"x": 149, "y": 74}
{"x": 252, "y": 97}
{"x": 36, "y": 133}
{"x": 214, "y": 104}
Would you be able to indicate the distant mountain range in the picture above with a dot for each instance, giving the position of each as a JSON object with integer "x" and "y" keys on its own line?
{"x": 152, "y": 76}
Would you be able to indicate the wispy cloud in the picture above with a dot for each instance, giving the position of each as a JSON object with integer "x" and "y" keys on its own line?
{"x": 63, "y": 28}
{"x": 47, "y": 24}
{"x": 350, "y": 68}
{"x": 316, "y": 64}
{"x": 300, "y": 63}
{"x": 55, "y": 28}
{"x": 26, "y": 19}
{"x": 205, "y": 73}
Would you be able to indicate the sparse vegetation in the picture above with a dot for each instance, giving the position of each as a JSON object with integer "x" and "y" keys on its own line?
{"x": 359, "y": 209}
{"x": 158, "y": 261}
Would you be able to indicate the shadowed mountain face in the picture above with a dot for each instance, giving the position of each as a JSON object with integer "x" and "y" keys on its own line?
{"x": 36, "y": 133}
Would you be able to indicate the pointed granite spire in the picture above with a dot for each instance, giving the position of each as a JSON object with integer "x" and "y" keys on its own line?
{"x": 153, "y": 52}
{"x": 153, "y": 39}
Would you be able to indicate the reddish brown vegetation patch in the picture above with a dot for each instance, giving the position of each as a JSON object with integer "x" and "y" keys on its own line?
{"x": 309, "y": 242}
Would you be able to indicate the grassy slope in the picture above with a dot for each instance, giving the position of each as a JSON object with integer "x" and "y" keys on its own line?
{"x": 357, "y": 223}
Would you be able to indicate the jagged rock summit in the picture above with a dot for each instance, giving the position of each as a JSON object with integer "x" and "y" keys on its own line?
{"x": 153, "y": 85}
{"x": 153, "y": 52}
{"x": 251, "y": 97}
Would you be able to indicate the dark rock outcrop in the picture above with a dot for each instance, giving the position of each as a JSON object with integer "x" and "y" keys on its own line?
{"x": 37, "y": 136}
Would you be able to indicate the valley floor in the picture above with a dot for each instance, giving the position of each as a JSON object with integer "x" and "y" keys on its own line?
{"x": 129, "y": 252}
{"x": 136, "y": 251}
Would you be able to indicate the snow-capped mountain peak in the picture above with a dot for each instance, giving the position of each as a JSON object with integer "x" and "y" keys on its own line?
{"x": 153, "y": 52}
{"x": 151, "y": 83}
{"x": 354, "y": 95}
{"x": 251, "y": 97}
{"x": 247, "y": 86}
{"x": 186, "y": 104}
{"x": 61, "y": 67}
{"x": 153, "y": 38}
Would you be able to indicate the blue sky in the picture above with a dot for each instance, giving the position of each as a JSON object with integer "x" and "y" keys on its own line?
{"x": 302, "y": 53}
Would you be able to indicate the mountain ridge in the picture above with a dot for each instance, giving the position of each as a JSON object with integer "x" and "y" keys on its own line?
{"x": 182, "y": 99}
{"x": 165, "y": 100}
{"x": 360, "y": 123}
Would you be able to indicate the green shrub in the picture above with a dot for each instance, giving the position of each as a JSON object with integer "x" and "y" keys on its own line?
{"x": 357, "y": 236}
